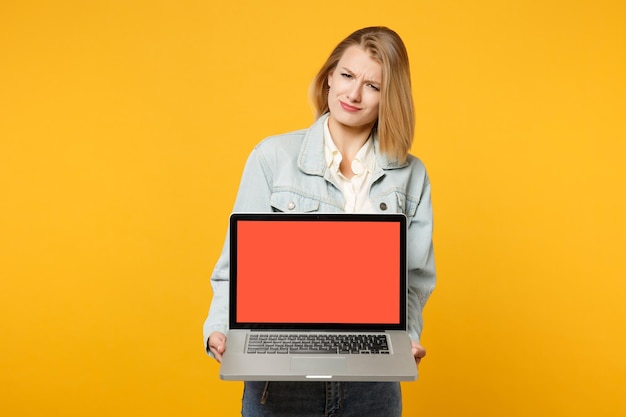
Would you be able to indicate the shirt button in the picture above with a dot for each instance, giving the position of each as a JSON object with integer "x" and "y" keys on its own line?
{"x": 383, "y": 206}
{"x": 291, "y": 205}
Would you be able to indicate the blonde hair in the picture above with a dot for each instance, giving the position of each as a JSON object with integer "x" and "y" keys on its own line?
{"x": 396, "y": 118}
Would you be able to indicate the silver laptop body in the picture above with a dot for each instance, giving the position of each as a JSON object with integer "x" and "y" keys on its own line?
{"x": 318, "y": 297}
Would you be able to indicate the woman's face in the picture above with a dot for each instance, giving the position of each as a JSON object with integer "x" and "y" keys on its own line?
{"x": 354, "y": 89}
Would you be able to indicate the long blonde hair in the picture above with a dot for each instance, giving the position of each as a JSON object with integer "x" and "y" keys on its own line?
{"x": 396, "y": 117}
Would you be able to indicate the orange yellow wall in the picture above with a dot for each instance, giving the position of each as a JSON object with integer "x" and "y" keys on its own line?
{"x": 124, "y": 126}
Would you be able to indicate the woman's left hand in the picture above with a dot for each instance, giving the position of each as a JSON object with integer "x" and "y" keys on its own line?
{"x": 418, "y": 351}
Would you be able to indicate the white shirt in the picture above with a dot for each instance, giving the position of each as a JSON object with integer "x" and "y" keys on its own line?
{"x": 356, "y": 189}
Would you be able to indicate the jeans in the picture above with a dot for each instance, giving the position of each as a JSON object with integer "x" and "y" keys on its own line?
{"x": 321, "y": 399}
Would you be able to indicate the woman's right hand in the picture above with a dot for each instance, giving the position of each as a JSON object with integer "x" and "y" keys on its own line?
{"x": 217, "y": 345}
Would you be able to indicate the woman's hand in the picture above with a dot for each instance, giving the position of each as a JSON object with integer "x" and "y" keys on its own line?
{"x": 418, "y": 351}
{"x": 217, "y": 345}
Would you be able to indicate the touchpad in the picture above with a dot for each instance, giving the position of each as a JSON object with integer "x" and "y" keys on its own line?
{"x": 315, "y": 365}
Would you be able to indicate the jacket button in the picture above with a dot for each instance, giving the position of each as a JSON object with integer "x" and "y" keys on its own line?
{"x": 291, "y": 205}
{"x": 383, "y": 206}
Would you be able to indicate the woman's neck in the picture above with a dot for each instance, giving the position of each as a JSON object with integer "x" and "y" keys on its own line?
{"x": 349, "y": 140}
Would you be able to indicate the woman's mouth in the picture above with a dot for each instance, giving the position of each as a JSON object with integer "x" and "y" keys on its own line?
{"x": 348, "y": 107}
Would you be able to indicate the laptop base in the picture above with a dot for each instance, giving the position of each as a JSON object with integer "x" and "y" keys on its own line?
{"x": 238, "y": 366}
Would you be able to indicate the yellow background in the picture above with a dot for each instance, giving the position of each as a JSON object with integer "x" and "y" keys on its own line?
{"x": 124, "y": 126}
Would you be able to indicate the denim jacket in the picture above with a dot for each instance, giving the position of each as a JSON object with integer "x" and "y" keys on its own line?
{"x": 288, "y": 173}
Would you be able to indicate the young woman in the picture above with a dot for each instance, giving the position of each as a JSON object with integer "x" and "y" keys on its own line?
{"x": 354, "y": 158}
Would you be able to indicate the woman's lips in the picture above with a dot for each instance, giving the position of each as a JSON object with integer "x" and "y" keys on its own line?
{"x": 348, "y": 107}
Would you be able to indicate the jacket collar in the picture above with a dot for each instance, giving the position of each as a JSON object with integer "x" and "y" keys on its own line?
{"x": 311, "y": 159}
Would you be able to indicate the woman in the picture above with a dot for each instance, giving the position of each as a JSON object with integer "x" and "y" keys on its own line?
{"x": 354, "y": 158}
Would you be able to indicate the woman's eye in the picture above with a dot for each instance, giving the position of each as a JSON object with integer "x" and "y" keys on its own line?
{"x": 374, "y": 87}
{"x": 346, "y": 75}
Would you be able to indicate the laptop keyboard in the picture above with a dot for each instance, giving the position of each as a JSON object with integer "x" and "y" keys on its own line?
{"x": 272, "y": 343}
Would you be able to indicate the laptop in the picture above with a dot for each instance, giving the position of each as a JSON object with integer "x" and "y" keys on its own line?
{"x": 318, "y": 297}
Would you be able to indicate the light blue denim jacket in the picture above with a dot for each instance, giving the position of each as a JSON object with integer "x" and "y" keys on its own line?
{"x": 288, "y": 173}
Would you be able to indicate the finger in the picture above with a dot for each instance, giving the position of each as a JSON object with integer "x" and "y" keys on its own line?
{"x": 418, "y": 352}
{"x": 217, "y": 351}
{"x": 217, "y": 346}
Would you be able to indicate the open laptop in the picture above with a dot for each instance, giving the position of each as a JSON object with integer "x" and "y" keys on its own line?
{"x": 318, "y": 297}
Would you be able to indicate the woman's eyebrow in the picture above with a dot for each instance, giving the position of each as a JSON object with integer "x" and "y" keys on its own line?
{"x": 347, "y": 70}
{"x": 352, "y": 73}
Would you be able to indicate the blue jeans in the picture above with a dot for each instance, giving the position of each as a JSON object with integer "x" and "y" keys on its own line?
{"x": 321, "y": 399}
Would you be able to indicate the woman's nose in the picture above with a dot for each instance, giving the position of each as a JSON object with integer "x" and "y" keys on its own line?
{"x": 355, "y": 93}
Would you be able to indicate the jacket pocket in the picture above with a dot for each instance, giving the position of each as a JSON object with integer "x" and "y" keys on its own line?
{"x": 397, "y": 202}
{"x": 407, "y": 204}
{"x": 291, "y": 202}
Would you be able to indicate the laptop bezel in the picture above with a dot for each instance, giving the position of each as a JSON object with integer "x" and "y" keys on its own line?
{"x": 399, "y": 218}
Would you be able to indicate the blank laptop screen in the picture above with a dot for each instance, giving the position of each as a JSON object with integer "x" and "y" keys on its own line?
{"x": 318, "y": 272}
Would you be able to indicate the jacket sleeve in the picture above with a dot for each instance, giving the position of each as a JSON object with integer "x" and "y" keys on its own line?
{"x": 253, "y": 196}
{"x": 421, "y": 261}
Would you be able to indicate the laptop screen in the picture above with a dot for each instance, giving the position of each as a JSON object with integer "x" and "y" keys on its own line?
{"x": 318, "y": 270}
